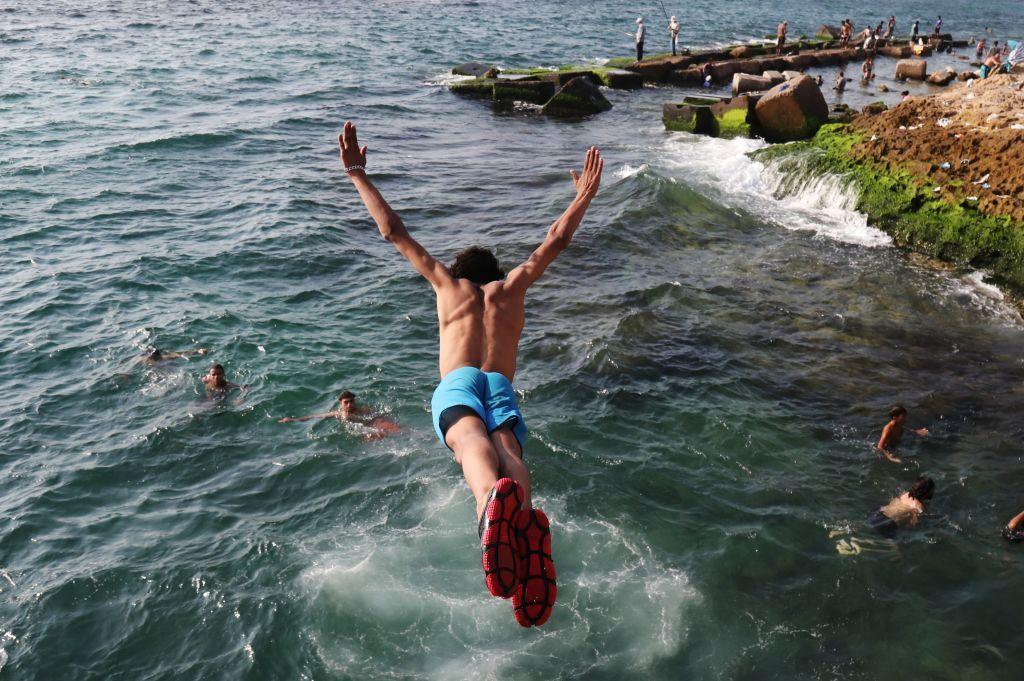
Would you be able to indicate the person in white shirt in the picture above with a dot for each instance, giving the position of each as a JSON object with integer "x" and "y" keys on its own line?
{"x": 673, "y": 32}
{"x": 641, "y": 33}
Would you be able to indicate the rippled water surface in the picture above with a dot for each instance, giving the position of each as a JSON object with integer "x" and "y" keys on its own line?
{"x": 703, "y": 372}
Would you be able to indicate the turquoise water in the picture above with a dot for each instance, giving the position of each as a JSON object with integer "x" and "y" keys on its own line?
{"x": 703, "y": 372}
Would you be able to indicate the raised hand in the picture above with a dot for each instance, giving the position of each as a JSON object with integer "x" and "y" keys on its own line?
{"x": 588, "y": 183}
{"x": 351, "y": 154}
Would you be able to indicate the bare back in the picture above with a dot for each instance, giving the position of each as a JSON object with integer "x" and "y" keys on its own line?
{"x": 480, "y": 326}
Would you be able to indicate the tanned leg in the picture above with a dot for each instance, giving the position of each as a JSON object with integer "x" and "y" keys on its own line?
{"x": 475, "y": 452}
{"x": 510, "y": 462}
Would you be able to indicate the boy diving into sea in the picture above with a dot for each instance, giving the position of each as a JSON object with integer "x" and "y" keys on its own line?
{"x": 481, "y": 313}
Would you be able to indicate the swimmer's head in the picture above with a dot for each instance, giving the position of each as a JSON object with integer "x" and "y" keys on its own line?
{"x": 217, "y": 370}
{"x": 898, "y": 411}
{"x": 155, "y": 355}
{"x": 477, "y": 265}
{"x": 347, "y": 402}
{"x": 923, "y": 489}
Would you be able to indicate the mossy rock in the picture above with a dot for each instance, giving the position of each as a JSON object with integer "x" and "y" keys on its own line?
{"x": 902, "y": 202}
{"x": 482, "y": 88}
{"x": 532, "y": 91}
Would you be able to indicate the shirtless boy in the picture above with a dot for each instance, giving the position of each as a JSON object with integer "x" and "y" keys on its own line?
{"x": 906, "y": 509}
{"x": 349, "y": 411}
{"x": 893, "y": 432}
{"x": 480, "y": 314}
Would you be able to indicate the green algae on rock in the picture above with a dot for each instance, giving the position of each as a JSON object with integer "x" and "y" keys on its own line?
{"x": 905, "y": 203}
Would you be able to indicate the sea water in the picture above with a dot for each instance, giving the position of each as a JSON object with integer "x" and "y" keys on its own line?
{"x": 703, "y": 373}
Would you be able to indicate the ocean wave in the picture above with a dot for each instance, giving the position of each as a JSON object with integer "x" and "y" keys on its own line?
{"x": 188, "y": 140}
{"x": 785, "y": 193}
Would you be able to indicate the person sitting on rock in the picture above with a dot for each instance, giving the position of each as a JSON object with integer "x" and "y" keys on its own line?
{"x": 892, "y": 433}
{"x": 706, "y": 73}
{"x": 1013, "y": 531}
{"x": 990, "y": 66}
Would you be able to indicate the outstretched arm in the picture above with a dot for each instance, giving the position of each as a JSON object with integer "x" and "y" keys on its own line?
{"x": 353, "y": 160}
{"x": 325, "y": 415}
{"x": 561, "y": 232}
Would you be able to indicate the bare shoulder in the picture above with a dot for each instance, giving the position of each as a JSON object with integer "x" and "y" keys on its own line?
{"x": 503, "y": 291}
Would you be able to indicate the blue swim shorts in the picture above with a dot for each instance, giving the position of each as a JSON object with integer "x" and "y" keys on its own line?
{"x": 487, "y": 394}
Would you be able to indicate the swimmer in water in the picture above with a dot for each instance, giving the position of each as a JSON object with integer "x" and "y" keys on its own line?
{"x": 216, "y": 384}
{"x": 349, "y": 411}
{"x": 481, "y": 313}
{"x": 156, "y": 355}
{"x": 1013, "y": 531}
{"x": 906, "y": 509}
{"x": 893, "y": 432}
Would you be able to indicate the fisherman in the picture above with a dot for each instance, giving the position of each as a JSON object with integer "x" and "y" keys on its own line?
{"x": 906, "y": 509}
{"x": 641, "y": 34}
{"x": 892, "y": 433}
{"x": 673, "y": 33}
{"x": 481, "y": 313}
{"x": 349, "y": 411}
{"x": 780, "y": 37}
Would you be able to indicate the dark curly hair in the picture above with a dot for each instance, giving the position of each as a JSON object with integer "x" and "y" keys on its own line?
{"x": 478, "y": 265}
{"x": 923, "y": 489}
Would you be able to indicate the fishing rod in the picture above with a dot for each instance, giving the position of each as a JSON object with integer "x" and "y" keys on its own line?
{"x": 663, "y": 9}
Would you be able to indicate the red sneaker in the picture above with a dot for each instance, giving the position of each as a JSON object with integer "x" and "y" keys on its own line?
{"x": 497, "y": 540}
{"x": 533, "y": 601}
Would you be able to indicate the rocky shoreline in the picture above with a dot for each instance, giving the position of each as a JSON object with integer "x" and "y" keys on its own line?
{"x": 942, "y": 174}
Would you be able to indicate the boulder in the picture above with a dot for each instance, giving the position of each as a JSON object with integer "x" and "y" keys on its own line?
{"x": 774, "y": 76}
{"x": 896, "y": 51}
{"x": 532, "y": 91}
{"x": 746, "y": 51}
{"x": 883, "y": 88}
{"x": 742, "y": 82}
{"x": 791, "y": 111}
{"x": 790, "y": 75}
{"x": 801, "y": 61}
{"x": 943, "y": 77}
{"x": 578, "y": 97}
{"x": 827, "y": 32}
{"x": 657, "y": 70}
{"x": 560, "y": 78}
{"x": 841, "y": 113}
{"x": 685, "y": 77}
{"x": 709, "y": 116}
{"x": 474, "y": 87}
{"x": 874, "y": 108}
{"x": 620, "y": 79}
{"x": 967, "y": 75}
{"x": 829, "y": 57}
{"x": 722, "y": 72}
{"x": 471, "y": 68}
{"x": 913, "y": 69}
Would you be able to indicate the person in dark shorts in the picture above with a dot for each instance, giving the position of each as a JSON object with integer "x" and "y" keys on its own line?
{"x": 1013, "y": 531}
{"x": 906, "y": 509}
{"x": 780, "y": 37}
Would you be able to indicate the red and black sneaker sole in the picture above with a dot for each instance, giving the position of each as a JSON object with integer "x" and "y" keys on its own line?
{"x": 498, "y": 541}
{"x": 534, "y": 600}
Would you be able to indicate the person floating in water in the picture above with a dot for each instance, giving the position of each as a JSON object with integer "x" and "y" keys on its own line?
{"x": 156, "y": 355}
{"x": 906, "y": 509}
{"x": 481, "y": 313}
{"x": 641, "y": 35}
{"x": 218, "y": 386}
{"x": 349, "y": 411}
{"x": 1013, "y": 531}
{"x": 673, "y": 34}
{"x": 892, "y": 433}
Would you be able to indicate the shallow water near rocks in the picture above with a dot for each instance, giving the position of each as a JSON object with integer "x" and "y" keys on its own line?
{"x": 703, "y": 373}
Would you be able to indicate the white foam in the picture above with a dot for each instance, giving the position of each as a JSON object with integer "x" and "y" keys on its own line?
{"x": 823, "y": 204}
{"x": 984, "y": 296}
{"x": 628, "y": 170}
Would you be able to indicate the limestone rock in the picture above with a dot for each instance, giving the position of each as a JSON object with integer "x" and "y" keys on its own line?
{"x": 791, "y": 111}
{"x": 620, "y": 79}
{"x": 471, "y": 68}
{"x": 774, "y": 76}
{"x": 684, "y": 77}
{"x": 475, "y": 87}
{"x": 742, "y": 82}
{"x": 875, "y": 108}
{"x": 913, "y": 69}
{"x": 967, "y": 75}
{"x": 578, "y": 97}
{"x": 791, "y": 75}
{"x": 827, "y": 32}
{"x": 942, "y": 77}
{"x": 533, "y": 91}
{"x": 883, "y": 88}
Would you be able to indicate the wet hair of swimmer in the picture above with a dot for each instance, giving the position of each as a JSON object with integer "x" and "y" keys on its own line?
{"x": 217, "y": 370}
{"x": 156, "y": 355}
{"x": 897, "y": 410}
{"x": 347, "y": 395}
{"x": 476, "y": 264}
{"x": 923, "y": 489}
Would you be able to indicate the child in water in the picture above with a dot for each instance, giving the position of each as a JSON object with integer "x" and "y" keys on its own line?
{"x": 892, "y": 433}
{"x": 906, "y": 509}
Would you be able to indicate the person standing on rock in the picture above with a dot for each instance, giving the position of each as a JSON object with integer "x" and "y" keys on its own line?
{"x": 844, "y": 33}
{"x": 673, "y": 34}
{"x": 481, "y": 313}
{"x": 938, "y": 25}
{"x": 891, "y": 30}
{"x": 780, "y": 37}
{"x": 915, "y": 31}
{"x": 641, "y": 34}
